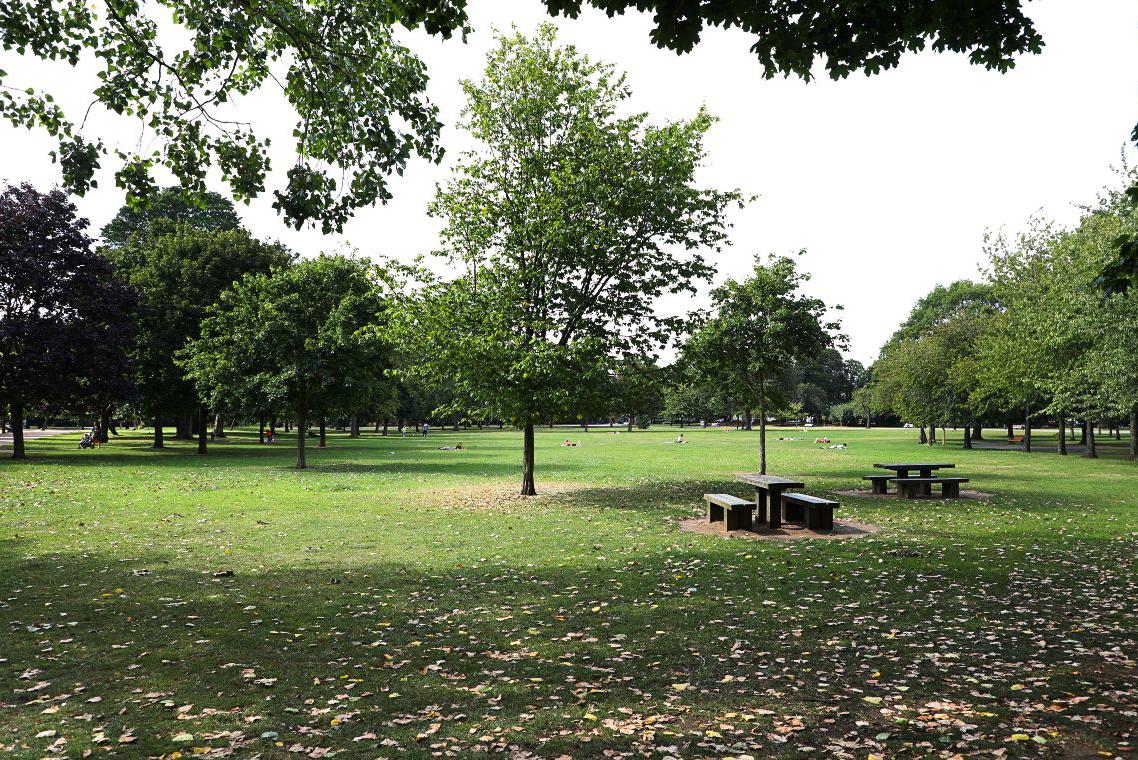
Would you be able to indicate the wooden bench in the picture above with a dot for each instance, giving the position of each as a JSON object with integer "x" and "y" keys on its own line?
{"x": 880, "y": 482}
{"x": 914, "y": 487}
{"x": 819, "y": 512}
{"x": 737, "y": 511}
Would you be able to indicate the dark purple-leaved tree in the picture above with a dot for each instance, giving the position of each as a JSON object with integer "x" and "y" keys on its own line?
{"x": 65, "y": 320}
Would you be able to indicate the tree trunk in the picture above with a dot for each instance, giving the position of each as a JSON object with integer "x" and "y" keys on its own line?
{"x": 977, "y": 431}
{"x": 18, "y": 429}
{"x": 301, "y": 442}
{"x": 1092, "y": 450}
{"x": 528, "y": 487}
{"x": 261, "y": 429}
{"x": 384, "y": 426}
{"x": 1062, "y": 437}
{"x": 203, "y": 424}
{"x": 355, "y": 433}
{"x": 218, "y": 426}
{"x": 454, "y": 424}
{"x": 924, "y": 438}
{"x": 273, "y": 426}
{"x": 932, "y": 435}
{"x": 323, "y": 432}
{"x": 762, "y": 426}
{"x": 104, "y": 424}
{"x": 1118, "y": 432}
{"x": 1133, "y": 433}
{"x": 748, "y": 420}
{"x": 159, "y": 442}
{"x": 1027, "y": 430}
{"x": 1011, "y": 430}
{"x": 967, "y": 436}
{"x": 1083, "y": 433}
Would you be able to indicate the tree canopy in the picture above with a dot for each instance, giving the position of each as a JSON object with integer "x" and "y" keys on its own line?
{"x": 299, "y": 335}
{"x": 180, "y": 273}
{"x": 169, "y": 208}
{"x": 66, "y": 321}
{"x": 759, "y": 327}
{"x": 359, "y": 95}
{"x": 569, "y": 221}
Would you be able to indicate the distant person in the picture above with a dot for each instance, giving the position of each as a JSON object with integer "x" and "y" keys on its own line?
{"x": 426, "y": 428}
{"x": 570, "y": 443}
{"x": 456, "y": 447}
{"x": 680, "y": 438}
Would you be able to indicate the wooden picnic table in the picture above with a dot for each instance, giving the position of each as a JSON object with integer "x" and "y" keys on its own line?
{"x": 768, "y": 495}
{"x": 926, "y": 471}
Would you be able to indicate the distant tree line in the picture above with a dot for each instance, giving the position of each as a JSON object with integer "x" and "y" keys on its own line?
{"x": 1038, "y": 342}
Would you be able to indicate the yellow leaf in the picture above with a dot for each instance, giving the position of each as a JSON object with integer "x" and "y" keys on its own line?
{"x": 590, "y": 716}
{"x": 1019, "y": 738}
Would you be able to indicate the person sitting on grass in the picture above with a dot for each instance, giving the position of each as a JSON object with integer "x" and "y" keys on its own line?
{"x": 680, "y": 439}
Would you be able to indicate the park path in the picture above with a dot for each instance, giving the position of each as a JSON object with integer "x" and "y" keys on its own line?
{"x": 34, "y": 433}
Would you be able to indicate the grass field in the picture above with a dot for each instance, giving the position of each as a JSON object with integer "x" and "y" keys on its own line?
{"x": 398, "y": 601}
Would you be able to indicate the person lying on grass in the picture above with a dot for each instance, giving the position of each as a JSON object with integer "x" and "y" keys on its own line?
{"x": 456, "y": 447}
{"x": 567, "y": 442}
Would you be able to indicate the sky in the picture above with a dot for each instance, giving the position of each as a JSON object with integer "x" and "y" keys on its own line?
{"x": 887, "y": 183}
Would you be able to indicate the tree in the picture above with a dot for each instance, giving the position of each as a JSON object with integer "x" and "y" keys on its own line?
{"x": 171, "y": 207}
{"x": 568, "y": 221}
{"x": 180, "y": 272}
{"x": 637, "y": 391}
{"x": 300, "y": 333}
{"x": 926, "y": 372}
{"x": 359, "y": 95}
{"x": 65, "y": 320}
{"x": 761, "y": 325}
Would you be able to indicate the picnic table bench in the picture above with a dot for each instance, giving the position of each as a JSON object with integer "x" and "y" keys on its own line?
{"x": 949, "y": 487}
{"x": 768, "y": 496}
{"x": 737, "y": 511}
{"x": 819, "y": 512}
{"x": 925, "y": 470}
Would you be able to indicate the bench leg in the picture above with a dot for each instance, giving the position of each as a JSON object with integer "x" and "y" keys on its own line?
{"x": 714, "y": 513}
{"x": 881, "y": 486}
{"x": 950, "y": 490}
{"x": 760, "y": 506}
{"x": 739, "y": 519}
{"x": 911, "y": 490}
{"x": 821, "y": 518}
{"x": 775, "y": 509}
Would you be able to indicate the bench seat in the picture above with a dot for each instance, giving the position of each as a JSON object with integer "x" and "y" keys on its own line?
{"x": 913, "y": 487}
{"x": 819, "y": 512}
{"x": 738, "y": 512}
{"x": 880, "y": 482}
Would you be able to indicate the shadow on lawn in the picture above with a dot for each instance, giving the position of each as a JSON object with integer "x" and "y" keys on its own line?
{"x": 385, "y": 645}
{"x": 342, "y": 455}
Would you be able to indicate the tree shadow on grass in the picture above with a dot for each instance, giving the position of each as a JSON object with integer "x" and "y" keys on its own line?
{"x": 460, "y": 649}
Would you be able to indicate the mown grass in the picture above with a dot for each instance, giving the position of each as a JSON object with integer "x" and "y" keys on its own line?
{"x": 397, "y": 600}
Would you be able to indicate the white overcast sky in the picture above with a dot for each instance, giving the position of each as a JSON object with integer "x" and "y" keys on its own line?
{"x": 888, "y": 182}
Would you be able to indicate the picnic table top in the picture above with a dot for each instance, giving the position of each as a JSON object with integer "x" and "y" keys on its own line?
{"x": 768, "y": 480}
{"x": 921, "y": 466}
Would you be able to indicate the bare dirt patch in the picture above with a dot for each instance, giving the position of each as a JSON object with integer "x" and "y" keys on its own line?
{"x": 865, "y": 493}
{"x": 788, "y": 532}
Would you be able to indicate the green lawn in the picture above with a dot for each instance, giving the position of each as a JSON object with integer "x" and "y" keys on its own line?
{"x": 398, "y": 601}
